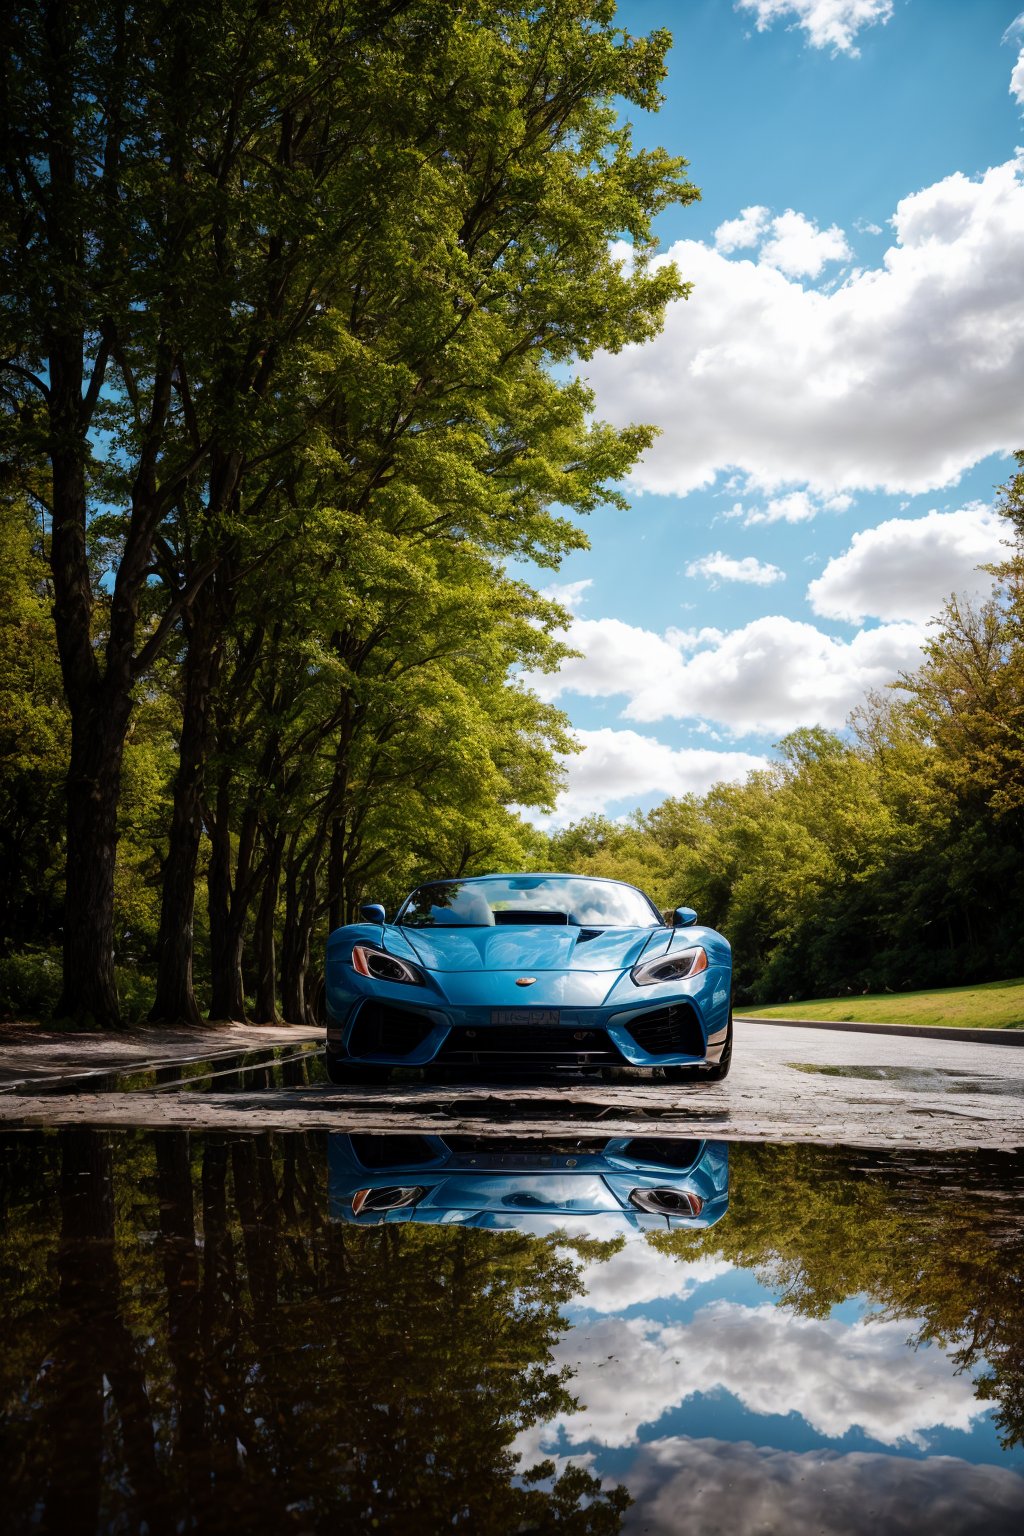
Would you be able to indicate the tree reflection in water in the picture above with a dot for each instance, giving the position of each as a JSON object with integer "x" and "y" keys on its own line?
{"x": 930, "y": 1237}
{"x": 217, "y": 1355}
{"x": 190, "y": 1344}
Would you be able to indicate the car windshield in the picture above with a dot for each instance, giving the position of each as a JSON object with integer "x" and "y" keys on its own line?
{"x": 528, "y": 899}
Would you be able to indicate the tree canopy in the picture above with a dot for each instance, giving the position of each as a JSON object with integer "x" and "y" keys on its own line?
{"x": 294, "y": 300}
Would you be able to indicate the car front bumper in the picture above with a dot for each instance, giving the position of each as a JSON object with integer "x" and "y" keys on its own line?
{"x": 664, "y": 1032}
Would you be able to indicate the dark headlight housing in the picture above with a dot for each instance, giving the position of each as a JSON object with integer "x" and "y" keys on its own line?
{"x": 667, "y": 1202}
{"x": 376, "y": 963}
{"x": 678, "y": 966}
{"x": 392, "y": 1198}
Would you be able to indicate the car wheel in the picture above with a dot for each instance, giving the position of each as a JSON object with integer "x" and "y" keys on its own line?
{"x": 342, "y": 1071}
{"x": 713, "y": 1074}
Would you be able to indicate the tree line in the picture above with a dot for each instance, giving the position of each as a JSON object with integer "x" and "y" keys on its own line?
{"x": 888, "y": 857}
{"x": 292, "y": 301}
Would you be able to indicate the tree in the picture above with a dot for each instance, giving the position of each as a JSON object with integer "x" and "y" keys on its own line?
{"x": 228, "y": 227}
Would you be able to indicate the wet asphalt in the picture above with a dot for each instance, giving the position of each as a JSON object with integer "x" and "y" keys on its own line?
{"x": 787, "y": 1084}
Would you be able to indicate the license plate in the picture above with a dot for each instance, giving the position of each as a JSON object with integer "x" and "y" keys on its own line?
{"x": 525, "y": 1016}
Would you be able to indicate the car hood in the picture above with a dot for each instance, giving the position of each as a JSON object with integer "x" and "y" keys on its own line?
{"x": 525, "y": 948}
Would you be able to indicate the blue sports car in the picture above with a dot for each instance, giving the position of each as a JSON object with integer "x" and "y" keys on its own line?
{"x": 528, "y": 971}
{"x": 650, "y": 1183}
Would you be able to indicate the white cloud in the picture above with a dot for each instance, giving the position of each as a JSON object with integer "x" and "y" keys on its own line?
{"x": 1013, "y": 31}
{"x": 722, "y": 567}
{"x": 799, "y": 248}
{"x": 907, "y": 567}
{"x": 792, "y": 242}
{"x": 794, "y": 507}
{"x": 1017, "y": 79}
{"x": 737, "y": 1486}
{"x": 624, "y": 765}
{"x": 569, "y": 593}
{"x": 738, "y": 234}
{"x": 828, "y": 23}
{"x": 901, "y": 378}
{"x": 615, "y": 657}
{"x": 769, "y": 677}
{"x": 835, "y": 1375}
{"x": 639, "y": 1274}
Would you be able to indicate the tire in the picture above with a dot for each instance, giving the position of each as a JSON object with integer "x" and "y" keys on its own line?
{"x": 715, "y": 1074}
{"x": 343, "y": 1072}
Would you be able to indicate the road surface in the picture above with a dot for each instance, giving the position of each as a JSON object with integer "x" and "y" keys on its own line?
{"x": 787, "y": 1084}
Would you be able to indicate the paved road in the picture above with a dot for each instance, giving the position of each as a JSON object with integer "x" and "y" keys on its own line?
{"x": 874, "y": 1091}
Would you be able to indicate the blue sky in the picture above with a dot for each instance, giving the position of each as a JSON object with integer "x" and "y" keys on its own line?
{"x": 836, "y": 399}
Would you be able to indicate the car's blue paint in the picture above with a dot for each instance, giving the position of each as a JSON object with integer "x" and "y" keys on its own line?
{"x": 523, "y": 948}
{"x": 468, "y": 972}
{"x": 493, "y": 1185}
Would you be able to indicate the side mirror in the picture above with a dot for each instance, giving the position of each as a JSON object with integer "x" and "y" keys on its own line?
{"x": 683, "y": 917}
{"x": 374, "y": 912}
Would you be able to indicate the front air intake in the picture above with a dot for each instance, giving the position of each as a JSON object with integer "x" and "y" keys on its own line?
{"x": 672, "y": 1031}
{"x": 381, "y": 1030}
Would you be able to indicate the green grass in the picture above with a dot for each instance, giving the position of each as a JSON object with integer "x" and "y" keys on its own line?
{"x": 993, "y": 1005}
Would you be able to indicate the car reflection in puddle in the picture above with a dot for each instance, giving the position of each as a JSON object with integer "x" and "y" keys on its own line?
{"x": 191, "y": 1342}
{"x": 644, "y": 1183}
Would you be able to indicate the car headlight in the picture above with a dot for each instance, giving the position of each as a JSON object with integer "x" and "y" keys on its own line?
{"x": 671, "y": 967}
{"x": 667, "y": 1202}
{"x": 393, "y": 1198}
{"x": 381, "y": 966}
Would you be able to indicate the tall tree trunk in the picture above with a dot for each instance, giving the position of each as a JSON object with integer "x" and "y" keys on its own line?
{"x": 227, "y": 999}
{"x": 263, "y": 936}
{"x": 336, "y": 875}
{"x": 89, "y": 993}
{"x": 229, "y": 900}
{"x": 301, "y": 907}
{"x": 175, "y": 994}
{"x": 99, "y": 696}
{"x": 99, "y": 704}
{"x": 227, "y": 989}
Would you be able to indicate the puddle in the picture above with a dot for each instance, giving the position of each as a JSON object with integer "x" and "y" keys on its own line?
{"x": 283, "y": 1066}
{"x": 920, "y": 1079}
{"x": 411, "y": 1333}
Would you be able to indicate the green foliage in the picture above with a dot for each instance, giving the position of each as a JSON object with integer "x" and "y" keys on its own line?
{"x": 323, "y": 277}
{"x": 30, "y": 983}
{"x": 889, "y": 860}
{"x": 34, "y": 736}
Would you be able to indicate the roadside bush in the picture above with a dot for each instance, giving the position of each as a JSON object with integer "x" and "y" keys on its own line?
{"x": 136, "y": 989}
{"x": 30, "y": 984}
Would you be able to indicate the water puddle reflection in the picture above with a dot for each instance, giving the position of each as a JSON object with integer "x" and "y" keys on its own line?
{"x": 919, "y": 1079}
{"x": 278, "y": 1066}
{"x": 407, "y": 1333}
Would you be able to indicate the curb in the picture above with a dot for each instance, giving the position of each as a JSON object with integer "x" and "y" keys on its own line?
{"x": 919, "y": 1031}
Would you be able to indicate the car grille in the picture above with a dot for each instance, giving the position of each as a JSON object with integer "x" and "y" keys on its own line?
{"x": 669, "y": 1153}
{"x": 383, "y": 1031}
{"x": 394, "y": 1151}
{"x": 466, "y": 1044}
{"x": 669, "y": 1032}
